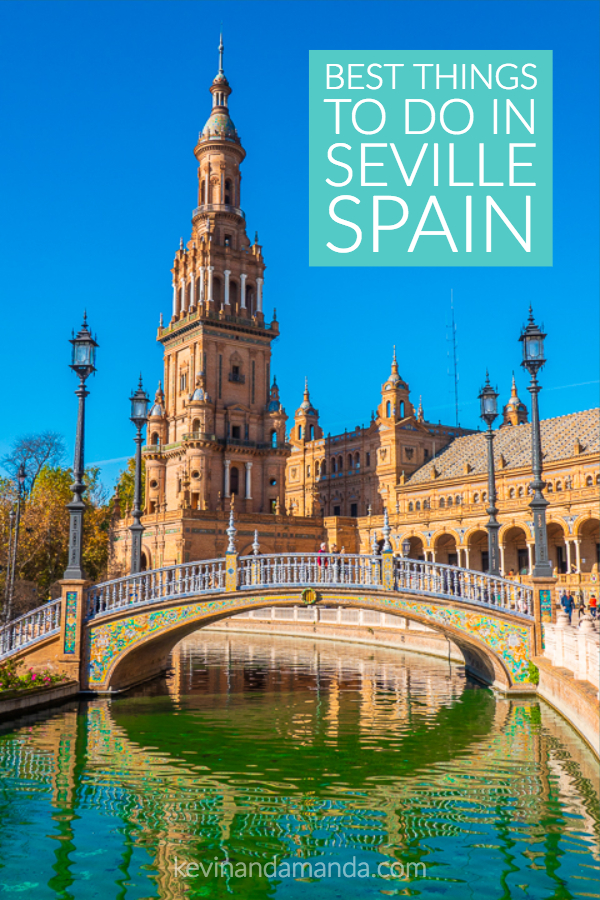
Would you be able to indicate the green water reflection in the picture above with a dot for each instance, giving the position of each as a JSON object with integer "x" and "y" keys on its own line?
{"x": 262, "y": 750}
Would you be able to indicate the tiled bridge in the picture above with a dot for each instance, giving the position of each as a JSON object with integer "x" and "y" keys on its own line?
{"x": 112, "y": 635}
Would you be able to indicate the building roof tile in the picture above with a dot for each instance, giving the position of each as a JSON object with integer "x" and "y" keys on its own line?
{"x": 513, "y": 442}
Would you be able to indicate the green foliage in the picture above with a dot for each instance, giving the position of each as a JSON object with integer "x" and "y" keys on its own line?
{"x": 534, "y": 673}
{"x": 126, "y": 485}
{"x": 11, "y": 679}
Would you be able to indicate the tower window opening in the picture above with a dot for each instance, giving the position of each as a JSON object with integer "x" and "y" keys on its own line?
{"x": 155, "y": 439}
{"x": 228, "y": 192}
{"x": 312, "y": 433}
{"x": 323, "y": 467}
{"x": 442, "y": 503}
{"x": 273, "y": 439}
{"x": 333, "y": 466}
{"x": 402, "y": 409}
{"x": 450, "y": 501}
{"x": 340, "y": 463}
{"x": 418, "y": 506}
{"x": 236, "y": 432}
{"x": 368, "y": 460}
{"x": 350, "y": 461}
{"x": 388, "y": 409}
{"x": 357, "y": 460}
{"x": 203, "y": 192}
{"x": 227, "y": 236}
{"x": 196, "y": 426}
{"x": 234, "y": 482}
{"x": 299, "y": 432}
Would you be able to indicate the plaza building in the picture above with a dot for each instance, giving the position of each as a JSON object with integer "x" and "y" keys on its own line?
{"x": 218, "y": 435}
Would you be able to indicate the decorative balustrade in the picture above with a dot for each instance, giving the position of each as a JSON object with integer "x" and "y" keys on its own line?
{"x": 30, "y": 628}
{"x": 280, "y": 570}
{"x": 169, "y": 583}
{"x": 574, "y": 647}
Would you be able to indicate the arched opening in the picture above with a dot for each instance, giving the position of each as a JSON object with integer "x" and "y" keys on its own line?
{"x": 589, "y": 549}
{"x": 234, "y": 480}
{"x": 449, "y": 501}
{"x": 217, "y": 292}
{"x": 228, "y": 192}
{"x": 143, "y": 562}
{"x": 317, "y": 468}
{"x": 299, "y": 432}
{"x": 417, "y": 550}
{"x": 323, "y": 467}
{"x": 203, "y": 192}
{"x": 340, "y": 463}
{"x": 250, "y": 299}
{"x": 357, "y": 460}
{"x": 388, "y": 409}
{"x": 333, "y": 466}
{"x": 418, "y": 506}
{"x": 273, "y": 439}
{"x": 411, "y": 506}
{"x": 516, "y": 554}
{"x": 155, "y": 439}
{"x": 512, "y": 494}
{"x": 233, "y": 296}
{"x": 196, "y": 426}
{"x": 402, "y": 409}
{"x": 350, "y": 461}
{"x": 557, "y": 550}
{"x": 445, "y": 550}
{"x": 589, "y": 481}
{"x": 442, "y": 503}
{"x": 479, "y": 558}
{"x": 311, "y": 433}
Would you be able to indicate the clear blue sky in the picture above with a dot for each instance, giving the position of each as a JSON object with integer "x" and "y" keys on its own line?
{"x": 101, "y": 106}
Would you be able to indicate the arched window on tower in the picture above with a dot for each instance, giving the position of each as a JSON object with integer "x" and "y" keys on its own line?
{"x": 228, "y": 192}
{"x": 217, "y": 294}
{"x": 410, "y": 506}
{"x": 250, "y": 299}
{"x": 418, "y": 506}
{"x": 333, "y": 466}
{"x": 323, "y": 467}
{"x": 350, "y": 461}
{"x": 340, "y": 463}
{"x": 311, "y": 433}
{"x": 234, "y": 482}
{"x": 155, "y": 439}
{"x": 357, "y": 460}
{"x": 233, "y": 295}
{"x": 273, "y": 439}
{"x": 196, "y": 426}
{"x": 388, "y": 409}
{"x": 203, "y": 191}
{"x": 299, "y": 432}
{"x": 402, "y": 409}
{"x": 442, "y": 503}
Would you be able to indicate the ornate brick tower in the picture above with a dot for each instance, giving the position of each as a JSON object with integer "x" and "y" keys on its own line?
{"x": 218, "y": 430}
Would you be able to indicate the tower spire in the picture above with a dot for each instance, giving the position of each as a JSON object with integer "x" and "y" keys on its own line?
{"x": 221, "y": 49}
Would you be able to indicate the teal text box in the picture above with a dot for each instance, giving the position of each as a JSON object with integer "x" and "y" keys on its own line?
{"x": 485, "y": 219}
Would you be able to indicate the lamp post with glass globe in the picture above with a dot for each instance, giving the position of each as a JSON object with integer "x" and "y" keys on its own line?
{"x": 532, "y": 339}
{"x": 488, "y": 398}
{"x": 83, "y": 363}
{"x": 139, "y": 417}
{"x": 405, "y": 548}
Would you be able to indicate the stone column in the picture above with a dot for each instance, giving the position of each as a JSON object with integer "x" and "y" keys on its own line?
{"x": 175, "y": 300}
{"x": 248, "y": 481}
{"x": 227, "y": 491}
{"x": 502, "y": 567}
{"x": 226, "y": 273}
{"x": 467, "y": 561}
{"x": 209, "y": 287}
{"x": 568, "y": 546}
{"x": 578, "y": 555}
{"x": 182, "y": 289}
{"x": 243, "y": 277}
{"x": 192, "y": 292}
{"x": 259, "y": 284}
{"x": 201, "y": 285}
{"x": 71, "y": 658}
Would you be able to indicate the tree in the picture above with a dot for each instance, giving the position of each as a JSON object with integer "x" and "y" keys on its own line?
{"x": 34, "y": 451}
{"x": 44, "y": 534}
{"x": 126, "y": 485}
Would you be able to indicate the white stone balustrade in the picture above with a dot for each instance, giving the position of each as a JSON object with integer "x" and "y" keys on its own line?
{"x": 574, "y": 647}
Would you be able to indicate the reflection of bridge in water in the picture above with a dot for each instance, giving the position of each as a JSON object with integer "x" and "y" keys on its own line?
{"x": 122, "y": 631}
{"x": 340, "y": 715}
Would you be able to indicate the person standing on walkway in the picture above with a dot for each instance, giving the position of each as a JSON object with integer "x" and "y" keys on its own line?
{"x": 593, "y": 606}
{"x": 567, "y": 603}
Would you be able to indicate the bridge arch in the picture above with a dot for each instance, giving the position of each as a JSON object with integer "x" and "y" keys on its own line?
{"x": 129, "y": 646}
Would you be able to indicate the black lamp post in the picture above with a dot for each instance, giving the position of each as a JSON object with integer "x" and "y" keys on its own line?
{"x": 13, "y": 543}
{"x": 532, "y": 339}
{"x": 83, "y": 363}
{"x": 488, "y": 398}
{"x": 405, "y": 548}
{"x": 139, "y": 417}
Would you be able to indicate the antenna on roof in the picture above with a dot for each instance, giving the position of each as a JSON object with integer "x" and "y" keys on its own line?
{"x": 452, "y": 340}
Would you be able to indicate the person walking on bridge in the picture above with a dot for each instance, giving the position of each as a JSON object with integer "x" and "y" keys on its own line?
{"x": 568, "y": 604}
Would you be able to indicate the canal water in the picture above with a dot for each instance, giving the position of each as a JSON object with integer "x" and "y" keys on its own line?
{"x": 269, "y": 767}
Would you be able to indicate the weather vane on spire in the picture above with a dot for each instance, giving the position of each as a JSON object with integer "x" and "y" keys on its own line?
{"x": 221, "y": 51}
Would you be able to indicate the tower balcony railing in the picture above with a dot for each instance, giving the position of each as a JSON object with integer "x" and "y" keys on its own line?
{"x": 237, "y": 377}
{"x": 218, "y": 207}
{"x": 199, "y": 436}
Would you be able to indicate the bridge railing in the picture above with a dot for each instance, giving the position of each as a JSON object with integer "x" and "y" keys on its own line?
{"x": 188, "y": 579}
{"x": 412, "y": 576}
{"x": 30, "y": 628}
{"x": 440, "y": 580}
{"x": 281, "y": 569}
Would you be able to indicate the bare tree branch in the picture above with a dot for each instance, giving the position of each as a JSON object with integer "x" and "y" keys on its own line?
{"x": 34, "y": 451}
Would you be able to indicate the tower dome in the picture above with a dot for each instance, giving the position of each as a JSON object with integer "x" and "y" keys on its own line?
{"x": 515, "y": 412}
{"x": 219, "y": 123}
